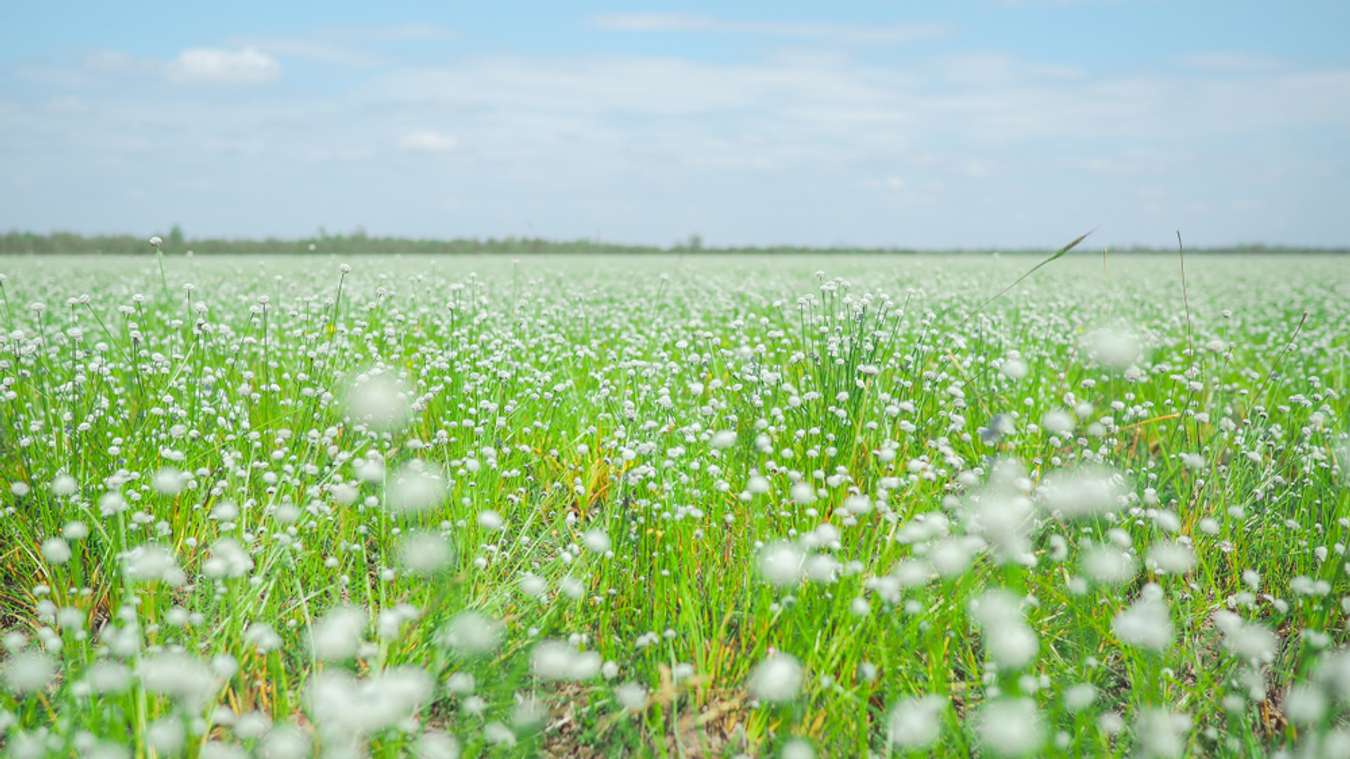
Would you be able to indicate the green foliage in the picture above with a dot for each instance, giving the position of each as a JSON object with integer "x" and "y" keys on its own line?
{"x": 624, "y": 436}
{"x": 360, "y": 243}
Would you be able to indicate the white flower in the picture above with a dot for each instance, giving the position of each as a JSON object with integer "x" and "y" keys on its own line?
{"x": 167, "y": 735}
{"x": 782, "y": 564}
{"x": 1007, "y": 638}
{"x": 533, "y": 585}
{"x": 491, "y": 520}
{"x": 284, "y": 742}
{"x": 343, "y": 705}
{"x": 379, "y": 401}
{"x": 497, "y": 734}
{"x": 951, "y": 556}
{"x": 64, "y": 485}
{"x": 1305, "y": 704}
{"x": 1108, "y": 565}
{"x": 56, "y": 551}
{"x": 723, "y": 439}
{"x": 595, "y": 540}
{"x": 1005, "y": 521}
{"x": 916, "y": 723}
{"x": 152, "y": 563}
{"x": 251, "y": 725}
{"x": 262, "y": 636}
{"x": 1333, "y": 672}
{"x": 1192, "y": 461}
{"x": 1058, "y": 422}
{"x": 1010, "y": 727}
{"x": 631, "y": 696}
{"x": 1172, "y": 557}
{"x": 1080, "y": 493}
{"x": 169, "y": 481}
{"x": 797, "y": 748}
{"x": 858, "y": 505}
{"x": 415, "y": 488}
{"x": 228, "y": 559}
{"x": 219, "y": 750}
{"x": 460, "y": 683}
{"x": 108, "y": 677}
{"x": 822, "y": 568}
{"x": 1146, "y": 623}
{"x": 424, "y": 552}
{"x": 558, "y": 660}
{"x": 28, "y": 671}
{"x": 803, "y": 494}
{"x": 1113, "y": 348}
{"x": 776, "y": 679}
{"x": 472, "y": 634}
{"x": 337, "y": 635}
{"x": 1162, "y": 734}
{"x": 436, "y": 745}
{"x": 178, "y": 676}
{"x": 1079, "y": 697}
{"x": 1014, "y": 368}
{"x": 1247, "y": 640}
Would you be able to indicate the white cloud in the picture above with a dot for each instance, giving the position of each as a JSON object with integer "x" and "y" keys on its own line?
{"x": 1053, "y": 3}
{"x": 316, "y": 51}
{"x": 404, "y": 33}
{"x": 996, "y": 68}
{"x": 1232, "y": 63}
{"x": 114, "y": 62}
{"x": 246, "y": 65}
{"x": 427, "y": 141}
{"x": 653, "y": 22}
{"x": 838, "y": 105}
{"x": 351, "y": 46}
{"x": 847, "y": 33}
{"x": 851, "y": 144}
{"x": 890, "y": 184}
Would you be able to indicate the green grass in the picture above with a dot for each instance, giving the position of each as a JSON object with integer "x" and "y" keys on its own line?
{"x": 576, "y": 394}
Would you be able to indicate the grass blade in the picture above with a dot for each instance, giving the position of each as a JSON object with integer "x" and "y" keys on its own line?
{"x": 1073, "y": 244}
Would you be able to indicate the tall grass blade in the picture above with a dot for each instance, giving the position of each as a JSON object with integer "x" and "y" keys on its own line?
{"x": 1053, "y": 256}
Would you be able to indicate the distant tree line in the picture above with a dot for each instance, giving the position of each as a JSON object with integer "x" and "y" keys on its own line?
{"x": 357, "y": 243}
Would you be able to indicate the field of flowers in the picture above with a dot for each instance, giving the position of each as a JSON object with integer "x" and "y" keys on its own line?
{"x": 674, "y": 506}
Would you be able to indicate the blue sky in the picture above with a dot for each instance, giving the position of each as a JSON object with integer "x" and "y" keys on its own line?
{"x": 961, "y": 124}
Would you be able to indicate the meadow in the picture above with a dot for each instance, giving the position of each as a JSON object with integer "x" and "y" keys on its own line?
{"x": 675, "y": 506}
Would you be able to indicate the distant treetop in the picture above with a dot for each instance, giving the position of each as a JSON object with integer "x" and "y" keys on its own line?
{"x": 358, "y": 243}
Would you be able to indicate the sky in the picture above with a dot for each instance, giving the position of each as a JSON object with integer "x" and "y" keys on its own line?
{"x": 1003, "y": 123}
